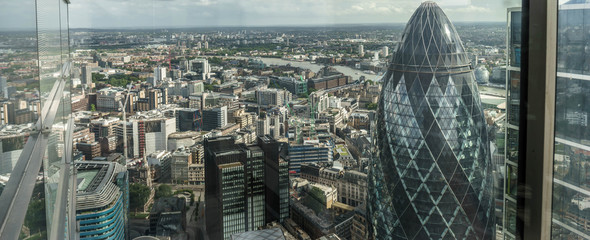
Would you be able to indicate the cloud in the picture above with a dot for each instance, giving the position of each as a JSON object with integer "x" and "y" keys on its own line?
{"x": 167, "y": 13}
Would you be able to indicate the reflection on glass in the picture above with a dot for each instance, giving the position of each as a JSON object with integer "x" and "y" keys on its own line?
{"x": 512, "y": 120}
{"x": 571, "y": 165}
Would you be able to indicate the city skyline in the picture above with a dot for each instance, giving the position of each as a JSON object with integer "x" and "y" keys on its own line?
{"x": 111, "y": 14}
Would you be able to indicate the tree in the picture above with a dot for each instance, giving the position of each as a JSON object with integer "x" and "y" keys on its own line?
{"x": 371, "y": 106}
{"x": 138, "y": 195}
{"x": 163, "y": 191}
{"x": 93, "y": 107}
{"x": 208, "y": 87}
{"x": 35, "y": 217}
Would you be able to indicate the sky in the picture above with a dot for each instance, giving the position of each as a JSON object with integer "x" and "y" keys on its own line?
{"x": 203, "y": 13}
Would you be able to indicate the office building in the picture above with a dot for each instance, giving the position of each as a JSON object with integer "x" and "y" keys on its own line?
{"x": 309, "y": 152}
{"x": 188, "y": 119}
{"x": 293, "y": 85}
{"x": 179, "y": 165}
{"x": 214, "y": 118}
{"x": 272, "y": 97}
{"x": 276, "y": 179}
{"x": 107, "y": 99}
{"x": 102, "y": 200}
{"x": 86, "y": 75}
{"x": 234, "y": 187}
{"x": 431, "y": 174}
{"x": 89, "y": 149}
{"x": 512, "y": 122}
{"x": 146, "y": 134}
{"x": 571, "y": 198}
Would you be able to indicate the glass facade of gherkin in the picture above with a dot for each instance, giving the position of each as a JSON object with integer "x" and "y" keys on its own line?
{"x": 430, "y": 177}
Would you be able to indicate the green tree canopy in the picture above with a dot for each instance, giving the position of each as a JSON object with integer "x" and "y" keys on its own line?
{"x": 163, "y": 191}
{"x": 138, "y": 195}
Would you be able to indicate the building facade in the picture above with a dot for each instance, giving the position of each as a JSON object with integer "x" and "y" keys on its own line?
{"x": 431, "y": 174}
{"x": 214, "y": 118}
{"x": 102, "y": 200}
{"x": 571, "y": 199}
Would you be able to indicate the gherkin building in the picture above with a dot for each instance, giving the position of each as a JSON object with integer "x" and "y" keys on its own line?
{"x": 431, "y": 175}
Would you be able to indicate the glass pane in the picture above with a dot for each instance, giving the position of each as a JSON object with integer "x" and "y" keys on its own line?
{"x": 436, "y": 79}
{"x": 572, "y": 135}
{"x": 19, "y": 101}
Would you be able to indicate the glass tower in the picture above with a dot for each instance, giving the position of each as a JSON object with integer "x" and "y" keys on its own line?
{"x": 571, "y": 165}
{"x": 512, "y": 123}
{"x": 431, "y": 175}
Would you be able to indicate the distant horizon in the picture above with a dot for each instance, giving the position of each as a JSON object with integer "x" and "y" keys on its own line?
{"x": 344, "y": 25}
{"x": 157, "y": 14}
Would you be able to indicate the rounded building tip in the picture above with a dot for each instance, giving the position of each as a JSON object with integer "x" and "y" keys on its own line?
{"x": 429, "y": 4}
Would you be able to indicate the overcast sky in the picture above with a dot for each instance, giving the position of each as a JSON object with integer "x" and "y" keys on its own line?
{"x": 189, "y": 13}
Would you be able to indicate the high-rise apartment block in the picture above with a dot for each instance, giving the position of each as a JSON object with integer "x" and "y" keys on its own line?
{"x": 4, "y": 87}
{"x": 159, "y": 75}
{"x": 200, "y": 67}
{"x": 431, "y": 174}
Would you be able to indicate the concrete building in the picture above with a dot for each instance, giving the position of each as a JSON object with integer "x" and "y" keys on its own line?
{"x": 147, "y": 134}
{"x": 179, "y": 165}
{"x": 293, "y": 85}
{"x": 90, "y": 149}
{"x": 272, "y": 97}
{"x": 107, "y": 99}
{"x": 200, "y": 67}
{"x": 159, "y": 75}
{"x": 263, "y": 126}
{"x": 385, "y": 51}
{"x": 154, "y": 98}
{"x": 86, "y": 76}
{"x": 361, "y": 50}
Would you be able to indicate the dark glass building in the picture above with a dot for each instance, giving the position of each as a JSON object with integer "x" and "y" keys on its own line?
{"x": 246, "y": 186}
{"x": 431, "y": 175}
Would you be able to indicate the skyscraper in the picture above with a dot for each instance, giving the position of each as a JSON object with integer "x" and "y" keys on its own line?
{"x": 512, "y": 122}
{"x": 572, "y": 134}
{"x": 431, "y": 175}
{"x": 234, "y": 187}
{"x": 3, "y": 87}
{"x": 159, "y": 75}
{"x": 86, "y": 75}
